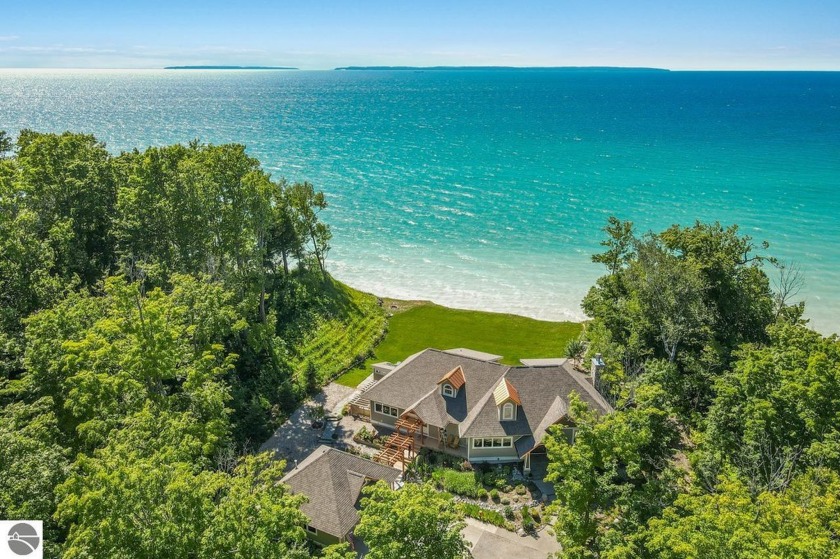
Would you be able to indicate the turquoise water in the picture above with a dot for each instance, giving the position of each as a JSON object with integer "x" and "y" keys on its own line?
{"x": 488, "y": 189}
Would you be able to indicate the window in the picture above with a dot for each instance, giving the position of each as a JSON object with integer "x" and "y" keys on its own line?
{"x": 448, "y": 390}
{"x": 386, "y": 410}
{"x": 377, "y": 407}
{"x": 496, "y": 442}
{"x": 507, "y": 411}
{"x": 311, "y": 530}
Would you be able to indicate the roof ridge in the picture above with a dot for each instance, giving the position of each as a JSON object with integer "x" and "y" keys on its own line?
{"x": 465, "y": 356}
{"x": 580, "y": 379}
{"x": 467, "y": 423}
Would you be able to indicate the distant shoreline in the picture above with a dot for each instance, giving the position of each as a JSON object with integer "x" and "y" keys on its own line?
{"x": 513, "y": 68}
{"x": 229, "y": 68}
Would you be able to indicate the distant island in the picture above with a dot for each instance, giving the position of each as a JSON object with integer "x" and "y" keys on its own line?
{"x": 229, "y": 68}
{"x": 560, "y": 68}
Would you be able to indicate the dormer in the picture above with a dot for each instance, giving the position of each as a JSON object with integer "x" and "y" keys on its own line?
{"x": 452, "y": 382}
{"x": 507, "y": 400}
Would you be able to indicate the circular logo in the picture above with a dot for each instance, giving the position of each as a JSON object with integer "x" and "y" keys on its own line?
{"x": 23, "y": 539}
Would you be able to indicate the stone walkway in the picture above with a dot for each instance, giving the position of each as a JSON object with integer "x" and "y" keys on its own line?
{"x": 492, "y": 542}
{"x": 296, "y": 439}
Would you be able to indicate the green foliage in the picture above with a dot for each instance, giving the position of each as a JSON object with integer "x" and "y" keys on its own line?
{"x": 157, "y": 348}
{"x": 120, "y": 503}
{"x": 575, "y": 350}
{"x": 338, "y": 332}
{"x": 730, "y": 523}
{"x": 776, "y": 412}
{"x": 338, "y": 551}
{"x": 688, "y": 295}
{"x": 611, "y": 480}
{"x": 33, "y": 463}
{"x": 466, "y": 484}
{"x": 155, "y": 311}
{"x": 489, "y": 516}
{"x": 416, "y": 521}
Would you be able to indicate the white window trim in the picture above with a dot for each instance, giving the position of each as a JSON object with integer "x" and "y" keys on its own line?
{"x": 448, "y": 390}
{"x": 377, "y": 407}
{"x": 508, "y": 406}
{"x": 504, "y": 442}
{"x": 311, "y": 529}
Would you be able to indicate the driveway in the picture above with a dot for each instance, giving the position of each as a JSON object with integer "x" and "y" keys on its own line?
{"x": 491, "y": 542}
{"x": 296, "y": 439}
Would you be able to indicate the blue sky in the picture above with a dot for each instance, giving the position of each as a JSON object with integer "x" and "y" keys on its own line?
{"x": 320, "y": 34}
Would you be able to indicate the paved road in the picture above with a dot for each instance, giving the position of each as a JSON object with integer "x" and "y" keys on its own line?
{"x": 491, "y": 542}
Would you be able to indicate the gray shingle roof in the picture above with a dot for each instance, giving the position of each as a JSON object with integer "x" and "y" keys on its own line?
{"x": 332, "y": 480}
{"x": 543, "y": 390}
{"x": 414, "y": 385}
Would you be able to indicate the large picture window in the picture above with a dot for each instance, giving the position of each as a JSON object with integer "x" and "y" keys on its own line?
{"x": 495, "y": 442}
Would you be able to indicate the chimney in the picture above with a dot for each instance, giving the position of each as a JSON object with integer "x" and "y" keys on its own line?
{"x": 598, "y": 367}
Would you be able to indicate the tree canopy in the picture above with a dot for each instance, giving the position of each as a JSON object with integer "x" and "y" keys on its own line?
{"x": 416, "y": 522}
{"x": 724, "y": 442}
{"x": 150, "y": 303}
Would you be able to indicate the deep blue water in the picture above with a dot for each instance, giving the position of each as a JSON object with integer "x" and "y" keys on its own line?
{"x": 488, "y": 189}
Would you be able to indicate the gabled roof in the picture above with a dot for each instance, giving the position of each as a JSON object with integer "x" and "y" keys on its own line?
{"x": 332, "y": 480}
{"x": 544, "y": 393}
{"x": 504, "y": 392}
{"x": 541, "y": 392}
{"x": 413, "y": 385}
{"x": 455, "y": 377}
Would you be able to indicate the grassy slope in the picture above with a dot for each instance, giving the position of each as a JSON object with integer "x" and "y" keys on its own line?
{"x": 428, "y": 325}
{"x": 344, "y": 333}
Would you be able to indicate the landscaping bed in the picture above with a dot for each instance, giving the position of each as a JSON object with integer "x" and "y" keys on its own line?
{"x": 369, "y": 437}
{"x": 498, "y": 495}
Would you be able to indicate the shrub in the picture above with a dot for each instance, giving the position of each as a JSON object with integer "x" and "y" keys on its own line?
{"x": 520, "y": 490}
{"x": 459, "y": 483}
{"x": 509, "y": 513}
{"x": 489, "y": 478}
{"x": 528, "y": 524}
{"x": 486, "y": 515}
{"x": 505, "y": 501}
{"x": 482, "y": 493}
{"x": 494, "y": 494}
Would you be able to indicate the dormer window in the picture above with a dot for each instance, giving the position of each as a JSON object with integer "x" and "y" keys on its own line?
{"x": 508, "y": 412}
{"x": 507, "y": 398}
{"x": 452, "y": 382}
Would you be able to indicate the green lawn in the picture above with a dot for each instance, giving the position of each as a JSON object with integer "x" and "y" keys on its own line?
{"x": 429, "y": 325}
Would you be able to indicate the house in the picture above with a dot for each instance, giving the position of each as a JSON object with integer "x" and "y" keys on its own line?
{"x": 332, "y": 480}
{"x": 466, "y": 403}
